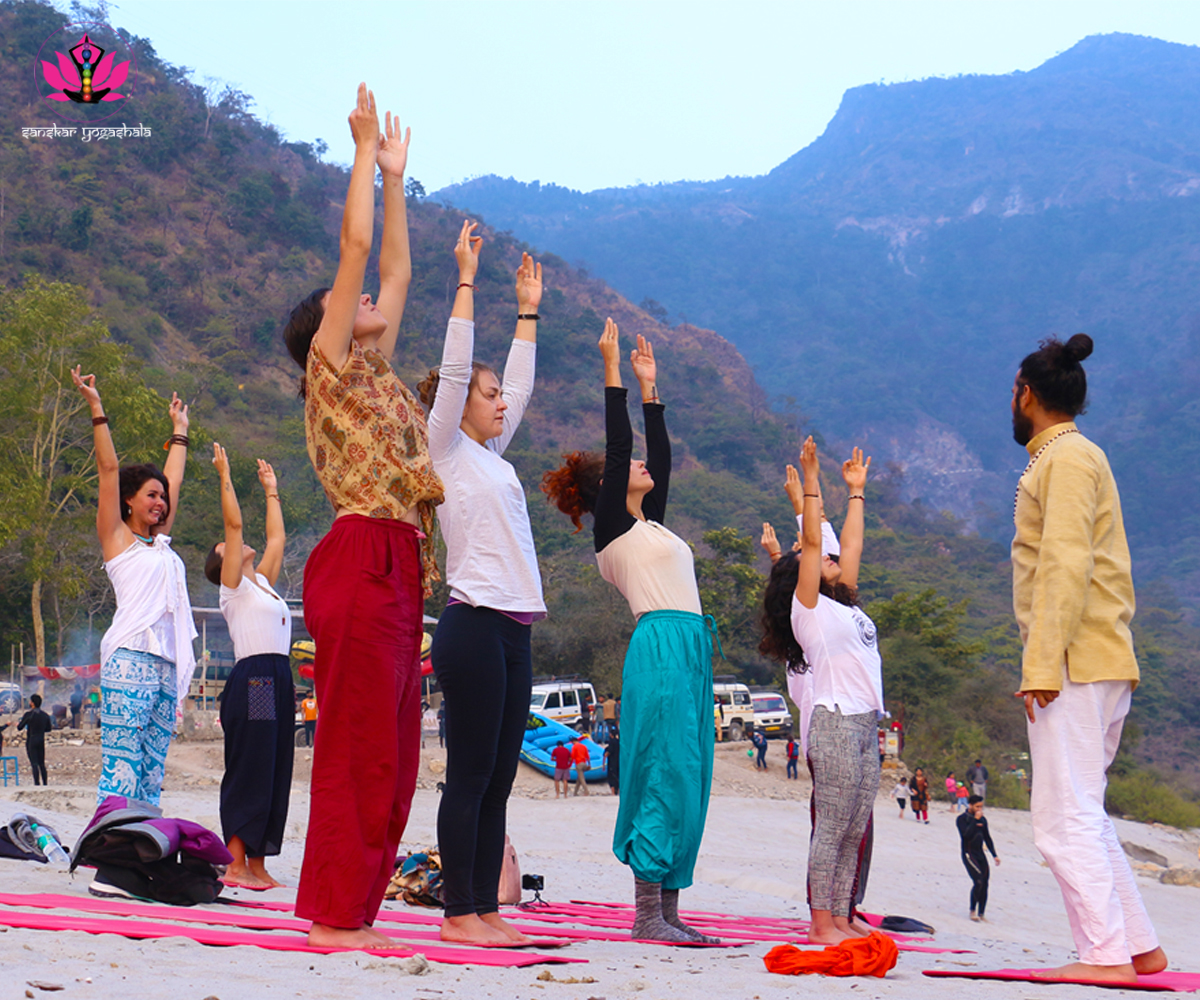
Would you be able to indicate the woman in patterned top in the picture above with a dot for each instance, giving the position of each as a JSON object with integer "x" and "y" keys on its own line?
{"x": 365, "y": 581}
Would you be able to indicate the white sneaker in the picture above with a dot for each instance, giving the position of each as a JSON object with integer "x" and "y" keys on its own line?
{"x": 108, "y": 890}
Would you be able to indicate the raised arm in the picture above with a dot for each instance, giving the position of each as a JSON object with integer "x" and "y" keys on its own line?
{"x": 454, "y": 375}
{"x": 231, "y": 514}
{"x": 395, "y": 261}
{"x": 336, "y": 331}
{"x": 115, "y": 537}
{"x": 517, "y": 384}
{"x": 854, "y": 472}
{"x": 770, "y": 543}
{"x": 176, "y": 463}
{"x": 658, "y": 442}
{"x": 612, "y": 518}
{"x": 808, "y": 580}
{"x": 272, "y": 558}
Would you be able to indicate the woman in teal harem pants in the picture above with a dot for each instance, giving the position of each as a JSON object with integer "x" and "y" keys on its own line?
{"x": 666, "y": 696}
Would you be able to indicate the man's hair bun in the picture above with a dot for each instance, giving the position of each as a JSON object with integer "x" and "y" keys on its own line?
{"x": 1078, "y": 347}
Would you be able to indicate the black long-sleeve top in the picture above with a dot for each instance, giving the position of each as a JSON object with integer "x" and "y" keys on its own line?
{"x": 38, "y": 723}
{"x": 974, "y": 835}
{"x": 612, "y": 518}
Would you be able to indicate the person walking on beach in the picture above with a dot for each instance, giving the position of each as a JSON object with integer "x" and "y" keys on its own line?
{"x": 582, "y": 761}
{"x": 146, "y": 656}
{"x": 900, "y": 794}
{"x": 76, "y": 705}
{"x": 612, "y": 763}
{"x": 793, "y": 758}
{"x": 562, "y": 768}
{"x": 1073, "y": 599}
{"x": 308, "y": 708}
{"x": 257, "y": 705}
{"x": 36, "y": 724}
{"x": 974, "y": 836}
{"x": 366, "y": 581}
{"x": 952, "y": 791}
{"x": 977, "y": 778}
{"x": 961, "y": 795}
{"x": 481, "y": 651}
{"x": 918, "y": 790}
{"x": 666, "y": 767}
{"x": 812, "y": 623}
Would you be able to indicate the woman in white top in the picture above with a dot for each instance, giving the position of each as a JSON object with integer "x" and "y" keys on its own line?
{"x": 259, "y": 704}
{"x": 481, "y": 649}
{"x": 146, "y": 655}
{"x": 666, "y": 756}
{"x": 813, "y": 624}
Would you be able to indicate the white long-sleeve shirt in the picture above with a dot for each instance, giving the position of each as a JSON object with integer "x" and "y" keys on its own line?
{"x": 490, "y": 558}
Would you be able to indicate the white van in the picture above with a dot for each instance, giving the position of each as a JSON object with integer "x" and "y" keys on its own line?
{"x": 771, "y": 715}
{"x": 737, "y": 707}
{"x": 563, "y": 700}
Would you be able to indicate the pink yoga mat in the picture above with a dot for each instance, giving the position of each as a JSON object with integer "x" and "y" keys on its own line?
{"x": 178, "y": 927}
{"x": 1162, "y": 982}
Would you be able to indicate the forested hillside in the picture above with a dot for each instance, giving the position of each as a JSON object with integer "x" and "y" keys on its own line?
{"x": 890, "y": 276}
{"x": 190, "y": 247}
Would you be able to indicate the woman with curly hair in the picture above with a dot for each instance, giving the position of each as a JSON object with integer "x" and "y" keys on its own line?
{"x": 666, "y": 763}
{"x": 812, "y": 623}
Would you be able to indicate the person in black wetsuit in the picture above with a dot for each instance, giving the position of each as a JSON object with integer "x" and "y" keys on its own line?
{"x": 973, "y": 831}
{"x": 37, "y": 724}
{"x": 665, "y": 771}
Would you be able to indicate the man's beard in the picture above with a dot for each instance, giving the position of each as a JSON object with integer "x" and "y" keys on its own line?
{"x": 1022, "y": 428}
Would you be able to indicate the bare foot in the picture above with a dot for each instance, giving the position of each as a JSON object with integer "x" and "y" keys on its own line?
{"x": 848, "y": 928}
{"x": 362, "y": 939}
{"x": 1150, "y": 962}
{"x": 834, "y": 936}
{"x": 259, "y": 871}
{"x": 469, "y": 929}
{"x": 505, "y": 928}
{"x": 1079, "y": 970}
{"x": 243, "y": 878}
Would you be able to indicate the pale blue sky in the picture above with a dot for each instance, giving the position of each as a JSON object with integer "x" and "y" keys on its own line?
{"x": 595, "y": 94}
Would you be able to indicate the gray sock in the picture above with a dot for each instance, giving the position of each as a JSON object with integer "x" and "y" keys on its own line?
{"x": 648, "y": 922}
{"x": 670, "y": 911}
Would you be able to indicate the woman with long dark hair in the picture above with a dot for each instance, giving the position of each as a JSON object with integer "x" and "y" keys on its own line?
{"x": 666, "y": 764}
{"x": 146, "y": 655}
{"x": 812, "y": 622}
{"x": 366, "y": 580}
{"x": 481, "y": 649}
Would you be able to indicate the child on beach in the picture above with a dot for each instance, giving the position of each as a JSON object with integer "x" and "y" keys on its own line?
{"x": 900, "y": 794}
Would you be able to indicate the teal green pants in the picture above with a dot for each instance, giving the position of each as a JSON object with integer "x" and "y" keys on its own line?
{"x": 666, "y": 746}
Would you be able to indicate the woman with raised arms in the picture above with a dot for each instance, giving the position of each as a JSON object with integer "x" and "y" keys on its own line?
{"x": 366, "y": 580}
{"x": 146, "y": 655}
{"x": 666, "y": 696}
{"x": 813, "y": 623}
{"x": 481, "y": 649}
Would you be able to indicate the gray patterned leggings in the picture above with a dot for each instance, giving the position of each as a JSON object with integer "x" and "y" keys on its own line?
{"x": 843, "y": 755}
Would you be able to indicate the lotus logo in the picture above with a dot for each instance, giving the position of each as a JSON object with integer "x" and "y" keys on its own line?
{"x": 87, "y": 77}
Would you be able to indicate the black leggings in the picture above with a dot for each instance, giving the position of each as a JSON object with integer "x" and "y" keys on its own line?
{"x": 977, "y": 868}
{"x": 483, "y": 664}
{"x": 37, "y": 762}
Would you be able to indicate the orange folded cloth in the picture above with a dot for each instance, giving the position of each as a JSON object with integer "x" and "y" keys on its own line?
{"x": 872, "y": 955}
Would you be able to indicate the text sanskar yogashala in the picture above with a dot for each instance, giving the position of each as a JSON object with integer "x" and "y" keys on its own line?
{"x": 88, "y": 133}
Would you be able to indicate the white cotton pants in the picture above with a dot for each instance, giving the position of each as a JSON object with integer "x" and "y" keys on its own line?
{"x": 1071, "y": 746}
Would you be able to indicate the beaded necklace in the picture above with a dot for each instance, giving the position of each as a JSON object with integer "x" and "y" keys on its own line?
{"x": 1036, "y": 455}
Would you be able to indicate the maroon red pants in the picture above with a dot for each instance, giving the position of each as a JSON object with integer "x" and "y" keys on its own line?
{"x": 363, "y": 608}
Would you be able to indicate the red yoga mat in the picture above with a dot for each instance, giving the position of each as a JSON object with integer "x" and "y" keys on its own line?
{"x": 1161, "y": 982}
{"x": 178, "y": 927}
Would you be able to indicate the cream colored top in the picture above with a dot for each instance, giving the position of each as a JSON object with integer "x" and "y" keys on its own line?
{"x": 653, "y": 568}
{"x": 1072, "y": 581}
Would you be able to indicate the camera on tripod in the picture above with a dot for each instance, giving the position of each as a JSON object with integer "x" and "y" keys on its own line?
{"x": 534, "y": 884}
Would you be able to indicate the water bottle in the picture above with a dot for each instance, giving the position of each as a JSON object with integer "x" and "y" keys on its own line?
{"x": 48, "y": 844}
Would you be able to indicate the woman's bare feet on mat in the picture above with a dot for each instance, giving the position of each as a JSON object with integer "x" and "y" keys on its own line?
{"x": 825, "y": 929}
{"x": 258, "y": 870}
{"x": 504, "y": 927}
{"x": 470, "y": 929}
{"x": 241, "y": 877}
{"x": 1080, "y": 970}
{"x": 362, "y": 939}
{"x": 854, "y": 927}
{"x": 1150, "y": 962}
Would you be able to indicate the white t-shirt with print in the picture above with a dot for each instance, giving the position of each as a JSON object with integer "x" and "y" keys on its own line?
{"x": 842, "y": 649}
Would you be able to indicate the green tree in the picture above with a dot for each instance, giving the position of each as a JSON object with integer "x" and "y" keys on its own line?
{"x": 47, "y": 468}
{"x": 731, "y": 589}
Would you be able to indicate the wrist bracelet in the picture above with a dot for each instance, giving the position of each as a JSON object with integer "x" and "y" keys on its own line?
{"x": 528, "y": 316}
{"x": 97, "y": 421}
{"x": 176, "y": 439}
{"x": 466, "y": 284}
{"x": 813, "y": 496}
{"x": 272, "y": 496}
{"x": 857, "y": 496}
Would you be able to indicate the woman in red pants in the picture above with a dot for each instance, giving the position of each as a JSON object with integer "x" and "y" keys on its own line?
{"x": 366, "y": 580}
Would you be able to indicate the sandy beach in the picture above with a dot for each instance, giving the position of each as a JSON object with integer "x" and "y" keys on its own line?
{"x": 752, "y": 863}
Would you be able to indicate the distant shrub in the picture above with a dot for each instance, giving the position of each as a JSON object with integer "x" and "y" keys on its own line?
{"x": 1144, "y": 797}
{"x": 1007, "y": 792}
